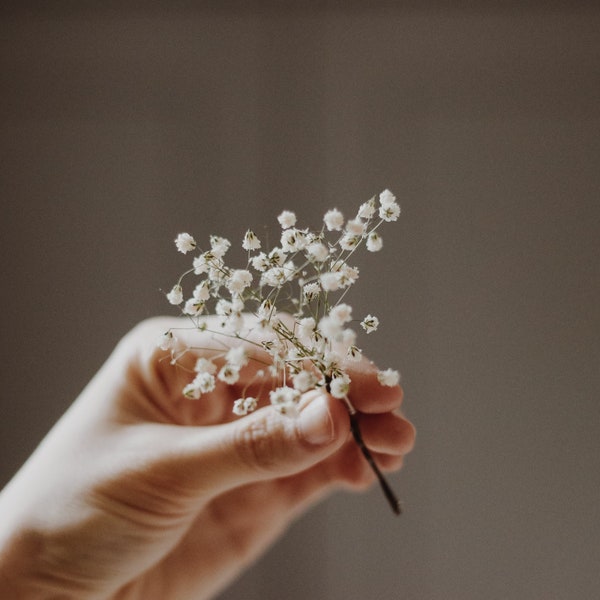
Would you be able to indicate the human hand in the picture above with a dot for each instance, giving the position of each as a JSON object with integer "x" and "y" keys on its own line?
{"x": 139, "y": 492}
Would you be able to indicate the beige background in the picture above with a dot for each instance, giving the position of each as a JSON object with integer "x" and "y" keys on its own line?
{"x": 123, "y": 125}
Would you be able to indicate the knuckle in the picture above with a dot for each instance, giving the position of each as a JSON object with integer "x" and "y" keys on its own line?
{"x": 260, "y": 442}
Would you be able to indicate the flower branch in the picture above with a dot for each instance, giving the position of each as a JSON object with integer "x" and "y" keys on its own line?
{"x": 301, "y": 324}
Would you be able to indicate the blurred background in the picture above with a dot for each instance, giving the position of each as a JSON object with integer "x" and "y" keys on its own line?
{"x": 126, "y": 123}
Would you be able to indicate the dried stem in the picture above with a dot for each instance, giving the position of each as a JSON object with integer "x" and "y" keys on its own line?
{"x": 388, "y": 492}
{"x": 385, "y": 486}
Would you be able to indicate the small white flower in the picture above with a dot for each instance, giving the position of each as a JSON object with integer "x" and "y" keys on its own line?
{"x": 205, "y": 365}
{"x": 306, "y": 327}
{"x": 250, "y": 403}
{"x": 311, "y": 291}
{"x": 287, "y": 219}
{"x": 293, "y": 240}
{"x": 276, "y": 257}
{"x": 367, "y": 210}
{"x": 353, "y": 353}
{"x": 285, "y": 399}
{"x": 374, "y": 242}
{"x": 339, "y": 387}
{"x": 330, "y": 328}
{"x": 175, "y": 296}
{"x": 266, "y": 310}
{"x": 389, "y": 377}
{"x": 166, "y": 341}
{"x": 185, "y": 243}
{"x": 218, "y": 273}
{"x": 290, "y": 270}
{"x": 274, "y": 277}
{"x": 347, "y": 275}
{"x": 342, "y": 313}
{"x": 334, "y": 220}
{"x": 284, "y": 394}
{"x": 349, "y": 241}
{"x": 219, "y": 245}
{"x": 301, "y": 239}
{"x": 317, "y": 251}
{"x": 223, "y": 308}
{"x": 312, "y": 237}
{"x": 330, "y": 282}
{"x": 202, "y": 291}
{"x": 348, "y": 337}
{"x": 331, "y": 360}
{"x": 243, "y": 406}
{"x": 239, "y": 280}
{"x": 390, "y": 212}
{"x": 229, "y": 374}
{"x": 194, "y": 307}
{"x": 305, "y": 380}
{"x": 205, "y": 382}
{"x": 355, "y": 227}
{"x": 238, "y": 408}
{"x": 251, "y": 242}
{"x": 260, "y": 262}
{"x": 202, "y": 263}
{"x": 237, "y": 356}
{"x": 191, "y": 391}
{"x": 386, "y": 198}
{"x": 370, "y": 323}
{"x": 234, "y": 323}
{"x": 337, "y": 265}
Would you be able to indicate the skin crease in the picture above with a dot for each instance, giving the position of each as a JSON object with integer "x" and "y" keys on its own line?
{"x": 138, "y": 492}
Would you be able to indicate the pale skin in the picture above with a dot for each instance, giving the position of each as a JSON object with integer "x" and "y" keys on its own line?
{"x": 138, "y": 492}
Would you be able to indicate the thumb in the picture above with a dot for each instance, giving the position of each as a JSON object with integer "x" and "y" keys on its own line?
{"x": 264, "y": 444}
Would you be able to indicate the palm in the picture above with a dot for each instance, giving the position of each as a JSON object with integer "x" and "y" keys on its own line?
{"x": 226, "y": 535}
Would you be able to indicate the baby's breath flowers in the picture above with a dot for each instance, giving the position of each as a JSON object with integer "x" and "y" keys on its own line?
{"x": 370, "y": 323}
{"x": 295, "y": 292}
{"x": 185, "y": 243}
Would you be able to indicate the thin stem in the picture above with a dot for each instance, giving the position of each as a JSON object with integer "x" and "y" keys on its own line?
{"x": 385, "y": 486}
{"x": 388, "y": 492}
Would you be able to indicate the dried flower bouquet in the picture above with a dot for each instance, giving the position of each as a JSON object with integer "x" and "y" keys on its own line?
{"x": 295, "y": 292}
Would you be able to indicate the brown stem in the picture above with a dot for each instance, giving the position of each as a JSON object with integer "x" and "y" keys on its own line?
{"x": 385, "y": 486}
{"x": 388, "y": 492}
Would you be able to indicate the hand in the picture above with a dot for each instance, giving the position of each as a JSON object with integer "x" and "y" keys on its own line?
{"x": 139, "y": 492}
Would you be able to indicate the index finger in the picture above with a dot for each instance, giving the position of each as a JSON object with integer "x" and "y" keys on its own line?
{"x": 367, "y": 395}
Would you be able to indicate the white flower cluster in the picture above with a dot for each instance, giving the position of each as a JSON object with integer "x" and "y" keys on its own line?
{"x": 295, "y": 292}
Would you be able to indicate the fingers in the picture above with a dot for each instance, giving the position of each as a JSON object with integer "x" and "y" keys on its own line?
{"x": 367, "y": 395}
{"x": 265, "y": 444}
{"x": 260, "y": 446}
{"x": 389, "y": 437}
{"x": 387, "y": 433}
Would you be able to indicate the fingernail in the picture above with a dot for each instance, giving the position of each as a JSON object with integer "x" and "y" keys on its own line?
{"x": 315, "y": 423}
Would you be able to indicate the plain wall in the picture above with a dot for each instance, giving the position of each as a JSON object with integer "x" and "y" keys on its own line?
{"x": 127, "y": 123}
